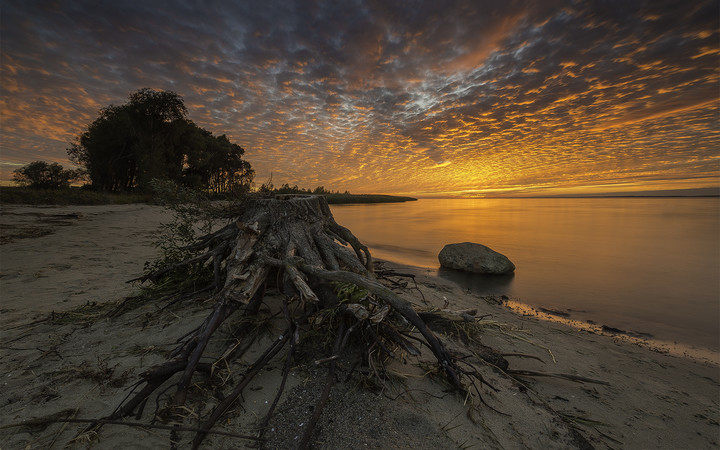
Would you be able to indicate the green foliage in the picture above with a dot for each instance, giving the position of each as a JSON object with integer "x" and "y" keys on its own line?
{"x": 149, "y": 138}
{"x": 194, "y": 215}
{"x": 350, "y": 293}
{"x": 42, "y": 175}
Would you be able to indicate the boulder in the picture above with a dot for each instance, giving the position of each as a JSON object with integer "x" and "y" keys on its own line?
{"x": 475, "y": 258}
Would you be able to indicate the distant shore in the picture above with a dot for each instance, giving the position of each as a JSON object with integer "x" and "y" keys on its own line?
{"x": 342, "y": 199}
{"x": 13, "y": 195}
{"x": 523, "y": 194}
{"x": 62, "y": 356}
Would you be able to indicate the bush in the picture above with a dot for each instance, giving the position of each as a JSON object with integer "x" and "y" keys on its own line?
{"x": 41, "y": 175}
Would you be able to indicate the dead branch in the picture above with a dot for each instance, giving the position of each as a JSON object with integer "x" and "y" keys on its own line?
{"x": 565, "y": 376}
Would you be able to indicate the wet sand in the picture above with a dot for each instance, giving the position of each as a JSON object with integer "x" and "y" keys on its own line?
{"x": 62, "y": 356}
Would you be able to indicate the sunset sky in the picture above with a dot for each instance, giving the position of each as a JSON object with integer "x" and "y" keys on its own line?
{"x": 427, "y": 98}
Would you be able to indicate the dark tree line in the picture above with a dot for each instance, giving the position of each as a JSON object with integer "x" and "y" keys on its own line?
{"x": 287, "y": 189}
{"x": 150, "y": 137}
{"x": 43, "y": 175}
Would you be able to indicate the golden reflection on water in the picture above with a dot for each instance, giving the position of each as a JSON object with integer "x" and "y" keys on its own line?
{"x": 641, "y": 264}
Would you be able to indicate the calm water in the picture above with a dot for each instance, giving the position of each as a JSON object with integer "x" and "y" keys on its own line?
{"x": 648, "y": 265}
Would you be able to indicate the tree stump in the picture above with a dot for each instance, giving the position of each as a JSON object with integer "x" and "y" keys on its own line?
{"x": 321, "y": 268}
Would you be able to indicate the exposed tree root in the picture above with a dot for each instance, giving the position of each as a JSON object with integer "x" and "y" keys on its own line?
{"x": 326, "y": 276}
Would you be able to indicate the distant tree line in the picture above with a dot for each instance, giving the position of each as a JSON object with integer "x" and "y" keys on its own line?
{"x": 150, "y": 137}
{"x": 287, "y": 189}
{"x": 43, "y": 175}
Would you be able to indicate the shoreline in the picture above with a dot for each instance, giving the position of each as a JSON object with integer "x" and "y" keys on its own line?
{"x": 521, "y": 308}
{"x": 646, "y": 341}
{"x": 607, "y": 262}
{"x": 80, "y": 363}
{"x": 680, "y": 350}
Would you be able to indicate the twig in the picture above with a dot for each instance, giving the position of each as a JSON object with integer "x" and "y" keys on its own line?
{"x": 324, "y": 360}
{"x": 57, "y": 435}
{"x": 522, "y": 355}
{"x": 530, "y": 373}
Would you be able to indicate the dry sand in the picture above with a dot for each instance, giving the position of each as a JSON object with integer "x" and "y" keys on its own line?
{"x": 62, "y": 356}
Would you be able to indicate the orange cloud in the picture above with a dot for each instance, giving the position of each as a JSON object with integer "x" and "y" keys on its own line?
{"x": 670, "y": 107}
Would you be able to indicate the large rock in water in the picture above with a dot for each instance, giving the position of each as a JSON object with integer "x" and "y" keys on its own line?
{"x": 475, "y": 258}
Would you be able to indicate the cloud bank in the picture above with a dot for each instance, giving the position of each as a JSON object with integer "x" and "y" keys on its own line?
{"x": 387, "y": 96}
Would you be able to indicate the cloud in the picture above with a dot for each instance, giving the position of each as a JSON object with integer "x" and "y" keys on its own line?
{"x": 662, "y": 108}
{"x": 354, "y": 94}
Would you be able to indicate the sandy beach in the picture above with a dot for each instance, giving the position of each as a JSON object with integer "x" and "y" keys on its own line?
{"x": 64, "y": 355}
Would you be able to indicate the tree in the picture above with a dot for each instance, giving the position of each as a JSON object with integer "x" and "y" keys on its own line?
{"x": 159, "y": 122}
{"x": 216, "y": 164}
{"x": 150, "y": 137}
{"x": 227, "y": 171}
{"x": 40, "y": 174}
{"x": 107, "y": 150}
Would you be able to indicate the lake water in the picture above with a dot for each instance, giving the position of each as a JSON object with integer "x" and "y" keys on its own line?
{"x": 648, "y": 265}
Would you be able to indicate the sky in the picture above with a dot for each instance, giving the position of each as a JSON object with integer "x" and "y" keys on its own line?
{"x": 432, "y": 98}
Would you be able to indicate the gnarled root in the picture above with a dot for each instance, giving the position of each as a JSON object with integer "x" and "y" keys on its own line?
{"x": 322, "y": 270}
